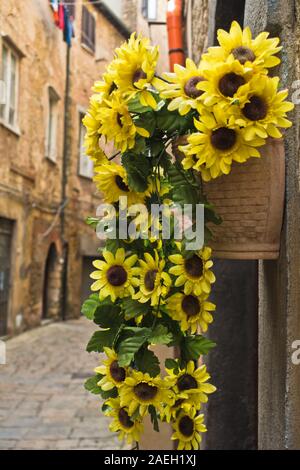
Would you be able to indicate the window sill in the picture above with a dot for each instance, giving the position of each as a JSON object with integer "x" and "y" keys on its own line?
{"x": 14, "y": 129}
{"x": 88, "y": 49}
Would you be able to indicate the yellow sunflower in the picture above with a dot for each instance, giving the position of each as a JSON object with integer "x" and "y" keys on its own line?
{"x": 218, "y": 143}
{"x": 188, "y": 428}
{"x": 117, "y": 124}
{"x": 134, "y": 69}
{"x": 154, "y": 282}
{"x": 256, "y": 53}
{"x": 111, "y": 180}
{"x": 182, "y": 88}
{"x": 128, "y": 429}
{"x": 190, "y": 383}
{"x": 115, "y": 275}
{"x": 190, "y": 311}
{"x": 225, "y": 83}
{"x": 91, "y": 140}
{"x": 265, "y": 109}
{"x": 140, "y": 390}
{"x": 107, "y": 86}
{"x": 194, "y": 272}
{"x": 170, "y": 411}
{"x": 113, "y": 374}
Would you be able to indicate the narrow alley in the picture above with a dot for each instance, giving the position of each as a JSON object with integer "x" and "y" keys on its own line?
{"x": 43, "y": 403}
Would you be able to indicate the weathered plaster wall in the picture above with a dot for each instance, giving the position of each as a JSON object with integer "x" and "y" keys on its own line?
{"x": 279, "y": 290}
{"x": 30, "y": 184}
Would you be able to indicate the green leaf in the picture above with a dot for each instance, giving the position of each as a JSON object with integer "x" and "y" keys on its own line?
{"x": 101, "y": 339}
{"x": 207, "y": 235}
{"x": 171, "y": 121}
{"x": 160, "y": 335}
{"x": 91, "y": 384}
{"x": 185, "y": 190}
{"x": 113, "y": 244}
{"x": 113, "y": 393}
{"x": 92, "y": 221}
{"x": 133, "y": 308}
{"x": 147, "y": 361}
{"x": 129, "y": 346}
{"x": 173, "y": 327}
{"x": 90, "y": 306}
{"x": 156, "y": 147}
{"x": 154, "y": 419}
{"x": 135, "y": 106}
{"x": 195, "y": 346}
{"x": 171, "y": 364}
{"x": 107, "y": 314}
{"x": 139, "y": 146}
{"x": 146, "y": 121}
{"x": 138, "y": 169}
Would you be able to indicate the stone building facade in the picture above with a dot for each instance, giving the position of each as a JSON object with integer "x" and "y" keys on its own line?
{"x": 258, "y": 302}
{"x": 33, "y": 149}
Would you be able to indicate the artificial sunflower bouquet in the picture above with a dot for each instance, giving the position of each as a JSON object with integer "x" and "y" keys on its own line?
{"x": 169, "y": 133}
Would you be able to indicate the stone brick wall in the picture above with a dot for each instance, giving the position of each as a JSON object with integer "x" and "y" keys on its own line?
{"x": 199, "y": 27}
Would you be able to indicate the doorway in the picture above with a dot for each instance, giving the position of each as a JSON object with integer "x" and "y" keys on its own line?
{"x": 6, "y": 232}
{"x": 52, "y": 282}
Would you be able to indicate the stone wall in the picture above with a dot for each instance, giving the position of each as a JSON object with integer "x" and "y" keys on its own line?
{"x": 199, "y": 27}
{"x": 30, "y": 184}
{"x": 279, "y": 293}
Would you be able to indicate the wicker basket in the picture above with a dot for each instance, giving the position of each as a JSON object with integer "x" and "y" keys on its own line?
{"x": 250, "y": 200}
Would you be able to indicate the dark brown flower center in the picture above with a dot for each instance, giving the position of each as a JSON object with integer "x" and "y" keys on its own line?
{"x": 124, "y": 419}
{"x": 138, "y": 75}
{"x": 116, "y": 275}
{"x": 242, "y": 54}
{"x": 186, "y": 426}
{"x": 190, "y": 305}
{"x": 120, "y": 183}
{"x": 178, "y": 402}
{"x": 150, "y": 279}
{"x": 118, "y": 373}
{"x": 145, "y": 392}
{"x": 113, "y": 87}
{"x": 119, "y": 121}
{"x": 256, "y": 109}
{"x": 186, "y": 382}
{"x": 223, "y": 138}
{"x": 190, "y": 88}
{"x": 194, "y": 266}
{"x": 230, "y": 83}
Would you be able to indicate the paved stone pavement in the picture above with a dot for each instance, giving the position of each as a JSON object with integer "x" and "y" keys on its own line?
{"x": 43, "y": 404}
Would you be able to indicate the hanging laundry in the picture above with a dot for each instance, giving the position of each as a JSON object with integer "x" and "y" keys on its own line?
{"x": 61, "y": 16}
{"x": 68, "y": 28}
{"x": 54, "y": 5}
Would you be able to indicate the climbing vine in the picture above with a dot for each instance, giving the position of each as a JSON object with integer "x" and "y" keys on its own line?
{"x": 170, "y": 133}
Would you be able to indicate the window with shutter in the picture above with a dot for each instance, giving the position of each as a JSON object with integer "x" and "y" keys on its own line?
{"x": 88, "y": 27}
{"x": 9, "y": 86}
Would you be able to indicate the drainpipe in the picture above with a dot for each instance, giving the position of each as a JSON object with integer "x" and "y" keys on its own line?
{"x": 64, "y": 182}
{"x": 175, "y": 36}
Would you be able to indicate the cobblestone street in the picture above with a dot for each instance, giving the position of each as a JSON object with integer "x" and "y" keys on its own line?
{"x": 43, "y": 404}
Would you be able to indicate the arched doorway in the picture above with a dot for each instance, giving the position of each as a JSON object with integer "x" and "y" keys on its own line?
{"x": 52, "y": 282}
